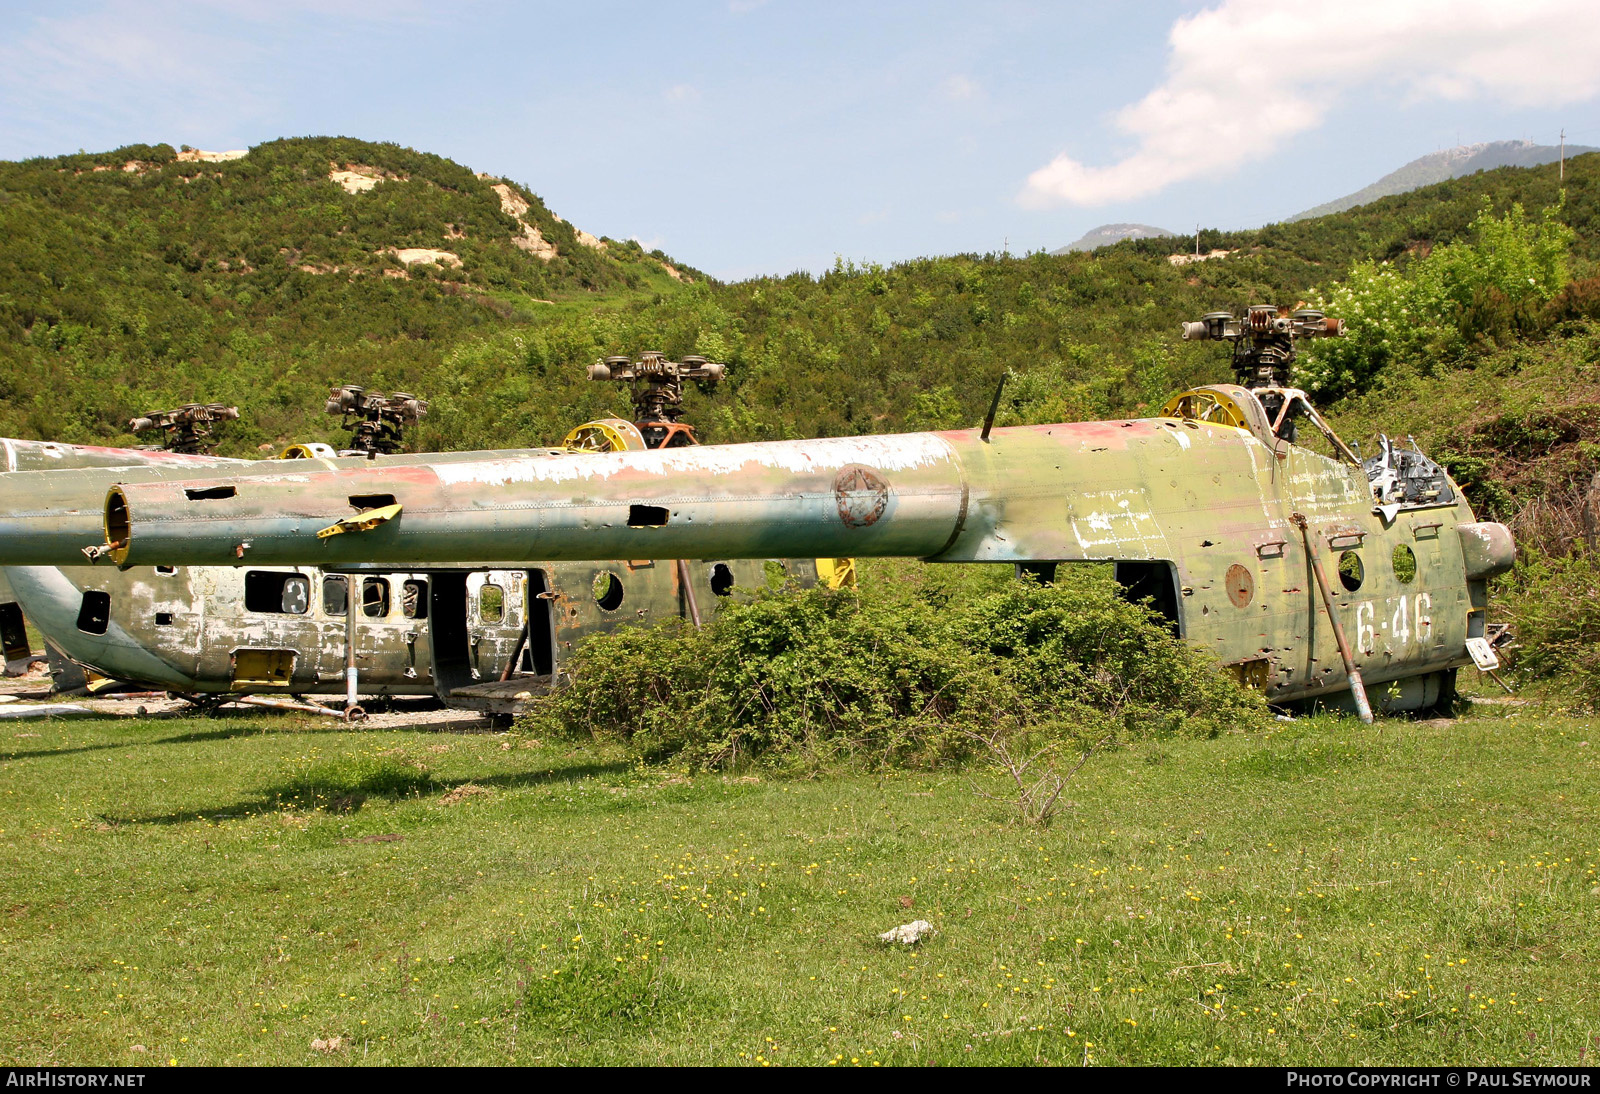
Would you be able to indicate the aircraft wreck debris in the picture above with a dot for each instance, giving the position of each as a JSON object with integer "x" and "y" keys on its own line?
{"x": 185, "y": 429}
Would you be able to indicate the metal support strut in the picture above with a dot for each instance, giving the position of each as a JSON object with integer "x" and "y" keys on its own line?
{"x": 688, "y": 592}
{"x": 352, "y": 709}
{"x": 1357, "y": 689}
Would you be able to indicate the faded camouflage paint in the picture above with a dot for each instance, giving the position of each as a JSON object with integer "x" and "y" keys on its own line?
{"x": 1204, "y": 498}
{"x": 52, "y": 501}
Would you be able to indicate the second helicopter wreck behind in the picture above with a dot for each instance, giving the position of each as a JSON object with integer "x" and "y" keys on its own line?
{"x": 475, "y": 635}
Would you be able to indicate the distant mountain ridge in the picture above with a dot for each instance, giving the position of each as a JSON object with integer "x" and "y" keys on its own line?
{"x": 1452, "y": 163}
{"x": 1107, "y": 234}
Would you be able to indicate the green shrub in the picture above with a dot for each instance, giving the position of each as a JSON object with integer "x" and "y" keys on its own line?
{"x": 1553, "y": 605}
{"x": 812, "y": 678}
{"x": 1494, "y": 285}
{"x": 1081, "y": 654}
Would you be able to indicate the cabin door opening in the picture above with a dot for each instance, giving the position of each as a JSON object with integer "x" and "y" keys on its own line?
{"x": 447, "y": 631}
{"x": 1156, "y": 582}
{"x": 539, "y": 652}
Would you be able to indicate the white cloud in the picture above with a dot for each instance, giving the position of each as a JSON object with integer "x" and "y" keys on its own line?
{"x": 682, "y": 93}
{"x": 1248, "y": 73}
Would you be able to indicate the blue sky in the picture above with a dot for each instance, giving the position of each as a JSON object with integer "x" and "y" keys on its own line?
{"x": 750, "y": 137}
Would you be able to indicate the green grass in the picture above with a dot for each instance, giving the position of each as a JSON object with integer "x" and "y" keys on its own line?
{"x": 218, "y": 891}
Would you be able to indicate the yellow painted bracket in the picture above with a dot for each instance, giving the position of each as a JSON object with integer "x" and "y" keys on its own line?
{"x": 837, "y": 573}
{"x": 364, "y": 521}
{"x": 605, "y": 435}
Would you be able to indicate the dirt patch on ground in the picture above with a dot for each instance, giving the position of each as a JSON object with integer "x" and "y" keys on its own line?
{"x": 462, "y": 793}
{"x": 1184, "y": 260}
{"x": 200, "y": 155}
{"x": 534, "y": 242}
{"x": 358, "y": 178}
{"x": 352, "y": 182}
{"x": 511, "y": 202}
{"x": 411, "y": 256}
{"x": 407, "y": 712}
{"x": 529, "y": 238}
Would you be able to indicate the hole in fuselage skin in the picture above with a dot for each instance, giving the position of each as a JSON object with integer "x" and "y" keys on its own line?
{"x": 646, "y": 516}
{"x": 363, "y": 502}
{"x": 722, "y": 579}
{"x": 94, "y": 615}
{"x": 208, "y": 493}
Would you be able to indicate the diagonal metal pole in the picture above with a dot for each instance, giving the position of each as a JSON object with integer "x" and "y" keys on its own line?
{"x": 687, "y": 586}
{"x": 1357, "y": 689}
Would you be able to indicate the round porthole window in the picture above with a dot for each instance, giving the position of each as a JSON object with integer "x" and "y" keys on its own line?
{"x": 1350, "y": 571}
{"x": 608, "y": 591}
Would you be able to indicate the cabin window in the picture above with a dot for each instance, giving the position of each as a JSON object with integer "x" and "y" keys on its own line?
{"x": 1351, "y": 573}
{"x": 375, "y": 597}
{"x": 414, "y": 599}
{"x": 607, "y": 589}
{"x": 163, "y": 619}
{"x": 276, "y": 591}
{"x": 491, "y": 603}
{"x": 167, "y": 570}
{"x": 335, "y": 595}
{"x": 1405, "y": 564}
{"x": 94, "y": 616}
{"x": 722, "y": 579}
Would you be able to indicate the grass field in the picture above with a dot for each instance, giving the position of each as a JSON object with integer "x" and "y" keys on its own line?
{"x": 233, "y": 890}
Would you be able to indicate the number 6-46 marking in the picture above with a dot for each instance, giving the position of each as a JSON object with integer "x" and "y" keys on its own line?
{"x": 1410, "y": 619}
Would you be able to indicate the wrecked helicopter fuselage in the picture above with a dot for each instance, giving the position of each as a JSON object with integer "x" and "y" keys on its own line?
{"x": 1197, "y": 510}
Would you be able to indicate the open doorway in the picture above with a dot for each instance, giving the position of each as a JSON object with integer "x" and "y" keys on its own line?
{"x": 1156, "y": 582}
{"x": 539, "y": 652}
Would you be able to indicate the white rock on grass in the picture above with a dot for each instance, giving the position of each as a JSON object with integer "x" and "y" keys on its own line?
{"x": 909, "y": 933}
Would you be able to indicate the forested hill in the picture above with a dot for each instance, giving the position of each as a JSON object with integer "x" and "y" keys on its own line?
{"x": 164, "y": 279}
{"x": 148, "y": 276}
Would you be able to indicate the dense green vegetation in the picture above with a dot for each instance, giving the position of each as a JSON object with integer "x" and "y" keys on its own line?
{"x": 906, "y": 674}
{"x": 123, "y": 291}
{"x": 134, "y": 280}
